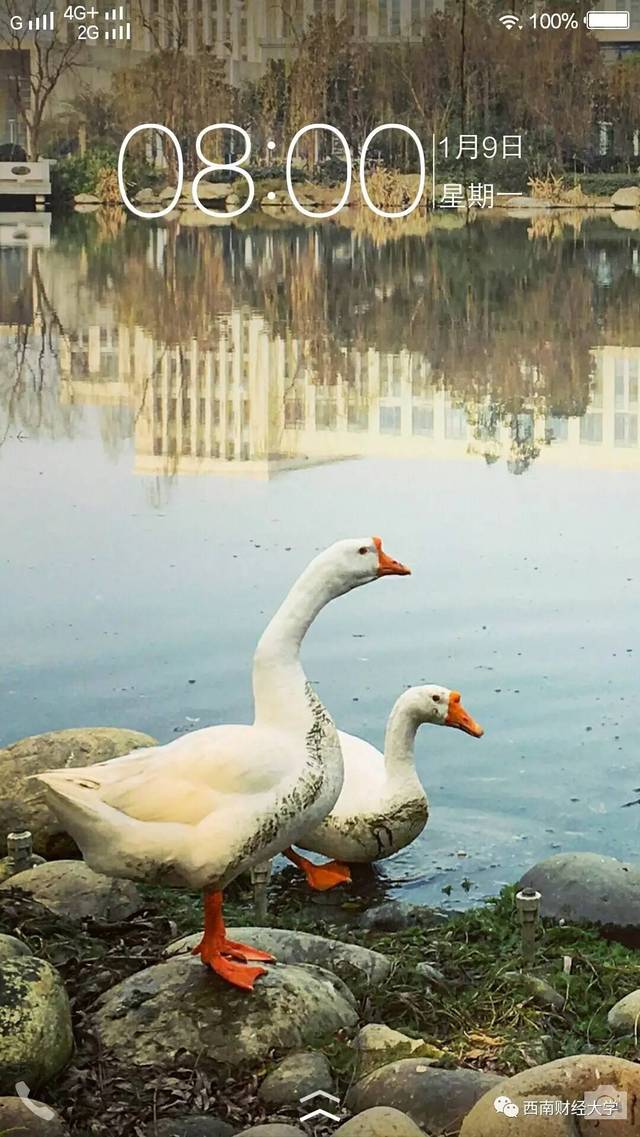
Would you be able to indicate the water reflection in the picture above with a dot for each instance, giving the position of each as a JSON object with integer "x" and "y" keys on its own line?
{"x": 252, "y": 350}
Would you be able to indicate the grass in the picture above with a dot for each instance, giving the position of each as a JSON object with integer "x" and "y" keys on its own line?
{"x": 481, "y": 1015}
{"x": 485, "y": 1016}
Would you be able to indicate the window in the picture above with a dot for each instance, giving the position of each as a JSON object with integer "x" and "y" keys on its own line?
{"x": 326, "y": 412}
{"x": 557, "y": 428}
{"x": 455, "y": 423}
{"x": 395, "y": 18}
{"x": 357, "y": 416}
{"x": 626, "y": 430}
{"x": 422, "y": 421}
{"x": 390, "y": 420}
{"x": 294, "y": 413}
{"x": 591, "y": 428}
{"x": 633, "y": 382}
{"x": 383, "y": 18}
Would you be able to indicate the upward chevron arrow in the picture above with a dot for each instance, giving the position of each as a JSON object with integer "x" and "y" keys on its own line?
{"x": 318, "y": 1094}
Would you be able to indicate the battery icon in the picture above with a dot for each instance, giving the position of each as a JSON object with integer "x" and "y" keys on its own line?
{"x": 608, "y": 21}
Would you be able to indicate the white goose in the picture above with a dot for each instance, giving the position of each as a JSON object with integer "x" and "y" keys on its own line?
{"x": 202, "y": 809}
{"x": 382, "y": 806}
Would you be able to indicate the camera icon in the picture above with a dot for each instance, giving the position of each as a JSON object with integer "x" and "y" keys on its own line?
{"x": 606, "y": 1103}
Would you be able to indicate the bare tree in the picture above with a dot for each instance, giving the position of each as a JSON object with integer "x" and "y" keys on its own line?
{"x": 40, "y": 59}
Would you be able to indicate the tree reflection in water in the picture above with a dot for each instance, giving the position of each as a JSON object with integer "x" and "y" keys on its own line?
{"x": 223, "y": 341}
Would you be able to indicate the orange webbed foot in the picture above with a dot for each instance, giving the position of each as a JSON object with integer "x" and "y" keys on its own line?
{"x": 248, "y": 954}
{"x": 227, "y": 957}
{"x": 320, "y": 877}
{"x": 323, "y": 877}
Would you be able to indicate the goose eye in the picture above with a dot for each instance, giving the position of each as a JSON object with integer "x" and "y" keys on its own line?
{"x": 363, "y": 550}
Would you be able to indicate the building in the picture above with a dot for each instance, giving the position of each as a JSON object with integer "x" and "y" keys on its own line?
{"x": 244, "y": 34}
{"x": 615, "y": 45}
{"x": 14, "y": 82}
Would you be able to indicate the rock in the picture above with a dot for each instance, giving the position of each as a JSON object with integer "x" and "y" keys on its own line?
{"x": 296, "y": 1076}
{"x": 196, "y": 218}
{"x": 277, "y": 1129}
{"x": 431, "y": 974}
{"x": 627, "y": 198}
{"x": 348, "y": 961}
{"x": 540, "y": 991}
{"x": 195, "y": 1125}
{"x": 397, "y": 914}
{"x": 72, "y": 889}
{"x": 587, "y": 888}
{"x": 36, "y": 1041}
{"x": 435, "y": 1099}
{"x": 626, "y": 218}
{"x": 377, "y": 1045}
{"x": 492, "y": 1123}
{"x": 624, "y": 1017}
{"x": 11, "y": 948}
{"x": 568, "y": 1080}
{"x": 16, "y": 1118}
{"x": 207, "y": 191}
{"x": 87, "y": 199}
{"x": 181, "y": 1005}
{"x": 381, "y": 1121}
{"x": 146, "y": 196}
{"x": 22, "y": 804}
{"x": 7, "y": 867}
{"x": 87, "y": 208}
{"x": 536, "y": 1051}
{"x": 167, "y": 194}
{"x": 524, "y": 202}
{"x": 280, "y": 197}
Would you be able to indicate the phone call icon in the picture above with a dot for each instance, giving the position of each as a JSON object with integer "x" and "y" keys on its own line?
{"x": 41, "y": 1111}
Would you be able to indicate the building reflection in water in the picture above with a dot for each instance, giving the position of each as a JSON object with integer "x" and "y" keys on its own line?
{"x": 250, "y": 400}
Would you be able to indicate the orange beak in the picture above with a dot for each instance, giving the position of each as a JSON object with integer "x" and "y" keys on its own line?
{"x": 386, "y": 565}
{"x": 461, "y": 719}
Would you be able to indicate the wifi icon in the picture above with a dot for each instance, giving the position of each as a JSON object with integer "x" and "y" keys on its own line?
{"x": 510, "y": 21}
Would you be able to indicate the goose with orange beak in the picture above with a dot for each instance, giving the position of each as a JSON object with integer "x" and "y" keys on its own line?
{"x": 214, "y": 803}
{"x": 383, "y": 806}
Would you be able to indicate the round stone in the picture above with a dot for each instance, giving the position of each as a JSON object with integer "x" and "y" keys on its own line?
{"x": 624, "y": 1017}
{"x": 22, "y": 802}
{"x": 348, "y": 961}
{"x": 12, "y": 948}
{"x": 296, "y": 1076}
{"x": 575, "y": 1079}
{"x": 435, "y": 1099}
{"x": 192, "y": 1126}
{"x": 183, "y": 1006}
{"x": 34, "y": 1120}
{"x": 36, "y": 1039}
{"x": 380, "y": 1121}
{"x": 587, "y": 888}
{"x": 73, "y": 890}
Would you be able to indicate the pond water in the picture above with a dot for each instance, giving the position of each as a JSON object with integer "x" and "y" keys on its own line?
{"x": 187, "y": 415}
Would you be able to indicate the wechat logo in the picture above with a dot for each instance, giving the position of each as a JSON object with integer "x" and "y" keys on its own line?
{"x": 504, "y": 1105}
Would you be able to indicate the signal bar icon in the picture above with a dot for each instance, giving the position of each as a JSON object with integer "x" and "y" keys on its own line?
{"x": 42, "y": 23}
{"x": 120, "y": 29}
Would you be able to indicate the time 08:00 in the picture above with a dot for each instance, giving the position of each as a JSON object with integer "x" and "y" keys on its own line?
{"x": 210, "y": 167}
